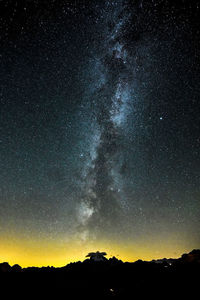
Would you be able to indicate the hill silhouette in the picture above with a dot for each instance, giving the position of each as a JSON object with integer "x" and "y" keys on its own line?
{"x": 106, "y": 279}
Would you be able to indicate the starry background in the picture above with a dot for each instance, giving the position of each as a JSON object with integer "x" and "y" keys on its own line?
{"x": 99, "y": 129}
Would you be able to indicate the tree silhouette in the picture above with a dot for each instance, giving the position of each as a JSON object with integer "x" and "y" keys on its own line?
{"x": 97, "y": 256}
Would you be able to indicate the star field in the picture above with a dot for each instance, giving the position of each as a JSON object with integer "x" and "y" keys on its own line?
{"x": 99, "y": 129}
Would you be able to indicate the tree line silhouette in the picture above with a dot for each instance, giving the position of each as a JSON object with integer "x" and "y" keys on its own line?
{"x": 100, "y": 278}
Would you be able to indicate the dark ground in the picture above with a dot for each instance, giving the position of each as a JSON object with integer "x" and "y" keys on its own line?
{"x": 106, "y": 280}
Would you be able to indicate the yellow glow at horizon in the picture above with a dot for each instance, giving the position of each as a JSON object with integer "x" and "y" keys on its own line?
{"x": 57, "y": 253}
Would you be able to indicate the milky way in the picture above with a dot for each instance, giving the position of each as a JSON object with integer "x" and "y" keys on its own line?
{"x": 103, "y": 198}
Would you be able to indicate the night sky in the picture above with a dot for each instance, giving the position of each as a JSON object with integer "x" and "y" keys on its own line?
{"x": 99, "y": 129}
